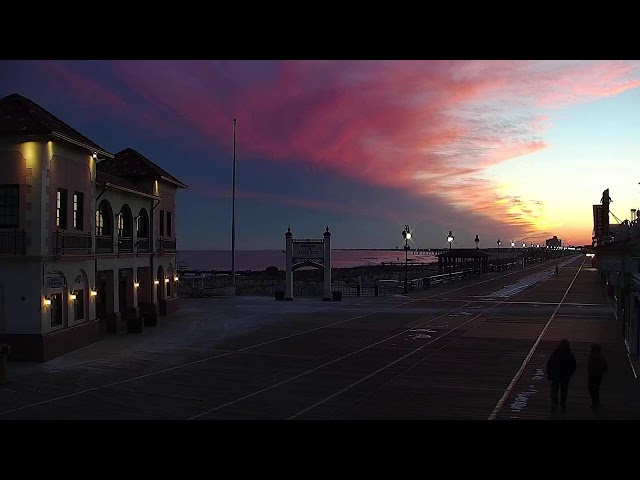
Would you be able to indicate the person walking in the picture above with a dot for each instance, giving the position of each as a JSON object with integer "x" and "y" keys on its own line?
{"x": 596, "y": 367}
{"x": 560, "y": 368}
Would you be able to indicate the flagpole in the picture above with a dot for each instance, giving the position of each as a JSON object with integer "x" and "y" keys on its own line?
{"x": 233, "y": 211}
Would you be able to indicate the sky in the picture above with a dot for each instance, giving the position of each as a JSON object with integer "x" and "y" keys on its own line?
{"x": 503, "y": 149}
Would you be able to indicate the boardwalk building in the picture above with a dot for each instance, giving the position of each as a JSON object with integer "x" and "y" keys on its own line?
{"x": 87, "y": 237}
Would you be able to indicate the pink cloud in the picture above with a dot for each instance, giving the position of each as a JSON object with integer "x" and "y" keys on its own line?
{"x": 430, "y": 126}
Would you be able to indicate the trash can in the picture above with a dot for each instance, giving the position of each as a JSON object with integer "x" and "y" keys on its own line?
{"x": 5, "y": 351}
{"x": 336, "y": 296}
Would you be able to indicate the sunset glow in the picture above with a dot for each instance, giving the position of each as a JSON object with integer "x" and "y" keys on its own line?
{"x": 512, "y": 149}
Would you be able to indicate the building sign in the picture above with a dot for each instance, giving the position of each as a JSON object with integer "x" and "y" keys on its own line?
{"x": 597, "y": 224}
{"x": 308, "y": 250}
{"x": 55, "y": 281}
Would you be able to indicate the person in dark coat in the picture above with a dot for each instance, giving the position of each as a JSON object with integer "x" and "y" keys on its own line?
{"x": 596, "y": 366}
{"x": 560, "y": 368}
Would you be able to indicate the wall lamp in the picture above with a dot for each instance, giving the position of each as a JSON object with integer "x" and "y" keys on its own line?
{"x": 156, "y": 282}
{"x": 47, "y": 300}
{"x": 166, "y": 280}
{"x": 72, "y": 296}
{"x": 175, "y": 278}
{"x": 136, "y": 284}
{"x": 94, "y": 293}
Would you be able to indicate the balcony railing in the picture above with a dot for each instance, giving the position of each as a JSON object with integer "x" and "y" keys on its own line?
{"x": 71, "y": 243}
{"x": 125, "y": 244}
{"x": 143, "y": 244}
{"x": 166, "y": 245}
{"x": 104, "y": 244}
{"x": 13, "y": 242}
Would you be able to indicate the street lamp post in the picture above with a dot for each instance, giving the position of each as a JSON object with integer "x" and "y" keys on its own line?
{"x": 499, "y": 258}
{"x": 406, "y": 234}
{"x": 476, "y": 261}
{"x": 513, "y": 251}
{"x": 450, "y": 239}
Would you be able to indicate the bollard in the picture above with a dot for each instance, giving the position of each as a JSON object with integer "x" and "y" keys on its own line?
{"x": 5, "y": 351}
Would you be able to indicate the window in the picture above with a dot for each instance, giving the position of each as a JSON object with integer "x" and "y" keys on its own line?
{"x": 61, "y": 208}
{"x": 78, "y": 210}
{"x": 99, "y": 223}
{"x": 162, "y": 223}
{"x": 121, "y": 224}
{"x": 56, "y": 310}
{"x": 79, "y": 305}
{"x": 9, "y": 206}
{"x": 143, "y": 224}
{"x": 169, "y": 224}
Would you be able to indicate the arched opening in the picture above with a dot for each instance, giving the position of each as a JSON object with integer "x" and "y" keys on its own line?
{"x": 79, "y": 297}
{"x": 170, "y": 283}
{"x": 125, "y": 229}
{"x": 160, "y": 284}
{"x": 104, "y": 227}
{"x": 58, "y": 308}
{"x": 160, "y": 291}
{"x": 142, "y": 227}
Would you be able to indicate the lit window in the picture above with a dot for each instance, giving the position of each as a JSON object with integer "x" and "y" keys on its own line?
{"x": 61, "y": 208}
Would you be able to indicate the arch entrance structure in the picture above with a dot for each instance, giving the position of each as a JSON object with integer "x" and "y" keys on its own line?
{"x": 308, "y": 252}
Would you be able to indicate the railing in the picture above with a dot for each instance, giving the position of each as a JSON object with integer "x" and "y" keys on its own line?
{"x": 143, "y": 244}
{"x": 166, "y": 245}
{"x": 104, "y": 244}
{"x": 13, "y": 242}
{"x": 70, "y": 243}
{"x": 125, "y": 244}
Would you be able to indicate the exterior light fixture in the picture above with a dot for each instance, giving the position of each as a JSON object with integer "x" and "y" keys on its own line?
{"x": 175, "y": 278}
{"x": 166, "y": 280}
{"x": 136, "y": 284}
{"x": 94, "y": 293}
{"x": 156, "y": 282}
{"x": 47, "y": 301}
{"x": 72, "y": 296}
{"x": 406, "y": 234}
{"x": 95, "y": 156}
{"x": 513, "y": 244}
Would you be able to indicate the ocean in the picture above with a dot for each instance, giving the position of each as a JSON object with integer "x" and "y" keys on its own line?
{"x": 258, "y": 260}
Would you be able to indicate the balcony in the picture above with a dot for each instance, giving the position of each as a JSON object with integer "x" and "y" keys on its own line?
{"x": 71, "y": 243}
{"x": 13, "y": 242}
{"x": 166, "y": 246}
{"x": 104, "y": 244}
{"x": 143, "y": 245}
{"x": 125, "y": 244}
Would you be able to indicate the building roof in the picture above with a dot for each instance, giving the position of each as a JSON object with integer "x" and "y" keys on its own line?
{"x": 132, "y": 164}
{"x": 22, "y": 116}
{"x": 103, "y": 178}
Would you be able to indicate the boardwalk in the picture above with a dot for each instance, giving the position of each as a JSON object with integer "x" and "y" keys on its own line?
{"x": 469, "y": 350}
